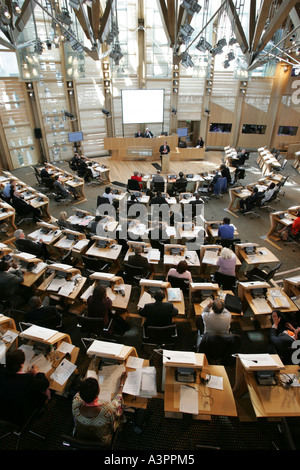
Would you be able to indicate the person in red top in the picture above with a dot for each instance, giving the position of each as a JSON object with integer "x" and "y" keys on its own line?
{"x": 291, "y": 230}
{"x": 138, "y": 177}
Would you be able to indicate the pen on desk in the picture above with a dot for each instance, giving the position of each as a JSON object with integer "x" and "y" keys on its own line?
{"x": 190, "y": 386}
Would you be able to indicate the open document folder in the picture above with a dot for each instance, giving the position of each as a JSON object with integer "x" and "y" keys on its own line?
{"x": 141, "y": 382}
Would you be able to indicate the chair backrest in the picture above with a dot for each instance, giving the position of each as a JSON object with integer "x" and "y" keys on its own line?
{"x": 133, "y": 270}
{"x": 92, "y": 264}
{"x": 272, "y": 272}
{"x": 160, "y": 335}
{"x": 221, "y": 185}
{"x": 227, "y": 282}
{"x": 219, "y": 346}
{"x": 91, "y": 325}
{"x": 159, "y": 186}
{"x": 102, "y": 200}
{"x": 133, "y": 185}
{"x": 178, "y": 282}
{"x": 180, "y": 186}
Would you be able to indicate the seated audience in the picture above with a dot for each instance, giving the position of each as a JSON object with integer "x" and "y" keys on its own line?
{"x": 96, "y": 418}
{"x": 247, "y": 204}
{"x": 23, "y": 208}
{"x": 216, "y": 318}
{"x": 9, "y": 280}
{"x": 226, "y": 262}
{"x": 137, "y": 177}
{"x": 81, "y": 167}
{"x": 282, "y": 334}
{"x": 292, "y": 230}
{"x": 36, "y": 248}
{"x": 138, "y": 260}
{"x": 99, "y": 305}
{"x": 159, "y": 199}
{"x": 200, "y": 143}
{"x": 62, "y": 191}
{"x": 45, "y": 172}
{"x": 42, "y": 313}
{"x": 158, "y": 178}
{"x": 75, "y": 162}
{"x": 225, "y": 173}
{"x": 269, "y": 193}
{"x": 159, "y": 313}
{"x": 181, "y": 179}
{"x": 109, "y": 195}
{"x": 226, "y": 230}
{"x": 148, "y": 134}
{"x": 9, "y": 190}
{"x": 181, "y": 271}
{"x": 21, "y": 391}
{"x": 139, "y": 134}
{"x": 62, "y": 221}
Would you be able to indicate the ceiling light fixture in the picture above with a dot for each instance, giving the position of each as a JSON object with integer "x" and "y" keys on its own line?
{"x": 203, "y": 45}
{"x": 191, "y": 6}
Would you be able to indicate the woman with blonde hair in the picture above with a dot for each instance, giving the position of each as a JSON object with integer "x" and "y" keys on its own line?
{"x": 227, "y": 262}
{"x": 62, "y": 221}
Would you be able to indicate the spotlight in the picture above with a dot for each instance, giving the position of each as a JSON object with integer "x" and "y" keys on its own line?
{"x": 203, "y": 45}
{"x": 191, "y": 6}
{"x": 185, "y": 33}
{"x": 226, "y": 64}
{"x": 65, "y": 17}
{"x": 230, "y": 56}
{"x": 218, "y": 49}
{"x": 5, "y": 15}
{"x": 186, "y": 60}
{"x": 16, "y": 9}
{"x": 107, "y": 113}
{"x": 49, "y": 45}
{"x": 232, "y": 41}
{"x": 70, "y": 115}
{"x": 39, "y": 47}
{"x": 174, "y": 111}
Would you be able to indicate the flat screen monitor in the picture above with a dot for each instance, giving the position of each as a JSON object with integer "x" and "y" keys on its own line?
{"x": 75, "y": 136}
{"x": 142, "y": 106}
{"x": 220, "y": 127}
{"x": 182, "y": 132}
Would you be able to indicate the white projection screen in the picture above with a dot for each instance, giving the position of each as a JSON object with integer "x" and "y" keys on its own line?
{"x": 142, "y": 106}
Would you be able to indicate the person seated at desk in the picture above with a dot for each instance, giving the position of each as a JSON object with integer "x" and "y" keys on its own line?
{"x": 81, "y": 167}
{"x": 181, "y": 179}
{"x": 200, "y": 143}
{"x": 226, "y": 230}
{"x": 9, "y": 190}
{"x": 292, "y": 230}
{"x": 138, "y": 260}
{"x": 36, "y": 248}
{"x": 225, "y": 173}
{"x": 24, "y": 208}
{"x": 137, "y": 177}
{"x": 109, "y": 195}
{"x": 158, "y": 233}
{"x": 182, "y": 144}
{"x": 268, "y": 193}
{"x": 62, "y": 191}
{"x": 139, "y": 134}
{"x": 282, "y": 334}
{"x": 21, "y": 392}
{"x": 148, "y": 134}
{"x": 42, "y": 313}
{"x": 240, "y": 159}
{"x": 159, "y": 313}
{"x": 95, "y": 418}
{"x": 216, "y": 318}
{"x": 226, "y": 262}
{"x": 158, "y": 178}
{"x": 10, "y": 279}
{"x": 181, "y": 271}
{"x": 62, "y": 221}
{"x": 44, "y": 173}
{"x": 248, "y": 203}
{"x": 75, "y": 161}
{"x": 158, "y": 200}
{"x": 99, "y": 305}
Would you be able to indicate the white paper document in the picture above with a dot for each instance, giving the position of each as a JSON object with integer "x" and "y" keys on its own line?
{"x": 105, "y": 349}
{"x": 65, "y": 347}
{"x": 215, "y": 382}
{"x": 134, "y": 362}
{"x": 188, "y": 400}
{"x": 179, "y": 357}
{"x": 56, "y": 284}
{"x": 109, "y": 381}
{"x": 38, "y": 332}
{"x": 63, "y": 371}
{"x": 258, "y": 360}
{"x": 41, "y": 363}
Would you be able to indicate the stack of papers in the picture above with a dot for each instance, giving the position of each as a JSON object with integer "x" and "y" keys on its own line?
{"x": 63, "y": 372}
{"x": 174, "y": 294}
{"x": 258, "y": 361}
{"x": 210, "y": 257}
{"x": 81, "y": 244}
{"x": 153, "y": 255}
{"x": 277, "y": 299}
{"x": 261, "y": 306}
{"x": 105, "y": 349}
{"x": 39, "y": 267}
{"x": 141, "y": 382}
{"x": 67, "y": 288}
{"x": 38, "y": 332}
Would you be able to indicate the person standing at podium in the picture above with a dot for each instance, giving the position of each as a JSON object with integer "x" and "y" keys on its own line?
{"x": 164, "y": 150}
{"x": 139, "y": 134}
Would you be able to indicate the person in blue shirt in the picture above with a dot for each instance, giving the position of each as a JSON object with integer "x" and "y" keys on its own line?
{"x": 226, "y": 231}
{"x": 9, "y": 189}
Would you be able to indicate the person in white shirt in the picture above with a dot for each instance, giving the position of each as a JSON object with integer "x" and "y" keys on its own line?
{"x": 269, "y": 193}
{"x": 216, "y": 318}
{"x": 109, "y": 195}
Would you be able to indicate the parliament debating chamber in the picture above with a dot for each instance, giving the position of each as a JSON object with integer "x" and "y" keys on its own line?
{"x": 150, "y": 226}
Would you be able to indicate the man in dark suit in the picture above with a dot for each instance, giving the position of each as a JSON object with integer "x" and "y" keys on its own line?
{"x": 159, "y": 313}
{"x": 158, "y": 199}
{"x": 44, "y": 172}
{"x": 21, "y": 392}
{"x": 138, "y": 260}
{"x": 148, "y": 134}
{"x": 139, "y": 134}
{"x": 75, "y": 162}
{"x": 29, "y": 246}
{"x": 23, "y": 208}
{"x": 9, "y": 281}
{"x": 164, "y": 150}
{"x": 43, "y": 314}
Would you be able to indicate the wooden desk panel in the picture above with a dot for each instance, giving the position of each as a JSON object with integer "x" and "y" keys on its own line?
{"x": 119, "y": 146}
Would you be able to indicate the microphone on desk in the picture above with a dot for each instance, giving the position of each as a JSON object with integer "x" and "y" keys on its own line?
{"x": 160, "y": 351}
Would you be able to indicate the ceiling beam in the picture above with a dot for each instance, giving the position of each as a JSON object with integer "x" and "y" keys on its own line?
{"x": 165, "y": 20}
{"x": 26, "y": 12}
{"x": 275, "y": 23}
{"x": 252, "y": 20}
{"x": 104, "y": 20}
{"x": 172, "y": 20}
{"x": 238, "y": 29}
{"x": 260, "y": 23}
